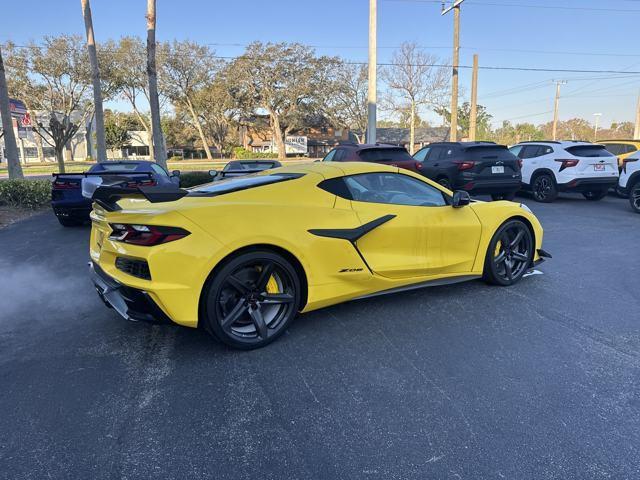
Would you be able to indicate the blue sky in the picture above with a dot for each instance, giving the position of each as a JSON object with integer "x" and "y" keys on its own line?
{"x": 515, "y": 33}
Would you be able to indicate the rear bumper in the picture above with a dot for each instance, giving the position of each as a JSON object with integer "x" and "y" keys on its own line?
{"x": 484, "y": 187}
{"x": 586, "y": 184}
{"x": 131, "y": 303}
{"x": 74, "y": 211}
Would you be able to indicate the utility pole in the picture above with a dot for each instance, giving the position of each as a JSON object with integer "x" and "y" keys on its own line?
{"x": 372, "y": 92}
{"x": 456, "y": 59}
{"x": 474, "y": 100}
{"x": 555, "y": 108}
{"x": 636, "y": 130}
{"x": 595, "y": 128}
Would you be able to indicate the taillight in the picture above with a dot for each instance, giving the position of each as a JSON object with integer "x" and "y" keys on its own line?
{"x": 147, "y": 235}
{"x": 567, "y": 163}
{"x": 625, "y": 161}
{"x": 465, "y": 165}
{"x": 418, "y": 166}
{"x": 520, "y": 163}
{"x": 63, "y": 185}
{"x": 143, "y": 183}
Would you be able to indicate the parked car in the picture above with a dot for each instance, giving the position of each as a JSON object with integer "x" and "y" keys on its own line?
{"x": 621, "y": 148}
{"x": 376, "y": 153}
{"x": 629, "y": 182}
{"x": 549, "y": 167}
{"x": 240, "y": 259}
{"x": 476, "y": 167}
{"x": 238, "y": 168}
{"x": 71, "y": 192}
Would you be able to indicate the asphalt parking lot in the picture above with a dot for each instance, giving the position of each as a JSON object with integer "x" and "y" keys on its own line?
{"x": 540, "y": 380}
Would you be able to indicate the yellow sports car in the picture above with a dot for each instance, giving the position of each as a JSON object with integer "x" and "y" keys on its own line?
{"x": 241, "y": 257}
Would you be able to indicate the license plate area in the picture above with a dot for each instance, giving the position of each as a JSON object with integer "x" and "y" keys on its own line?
{"x": 497, "y": 169}
{"x": 599, "y": 167}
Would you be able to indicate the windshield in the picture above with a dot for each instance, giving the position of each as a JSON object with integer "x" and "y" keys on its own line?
{"x": 385, "y": 155}
{"x": 240, "y": 166}
{"x": 241, "y": 183}
{"x": 115, "y": 167}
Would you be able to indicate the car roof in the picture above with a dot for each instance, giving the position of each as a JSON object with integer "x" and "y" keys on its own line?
{"x": 368, "y": 146}
{"x": 616, "y": 140}
{"x": 335, "y": 169}
{"x": 562, "y": 143}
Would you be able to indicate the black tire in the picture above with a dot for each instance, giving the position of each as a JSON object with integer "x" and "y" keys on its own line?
{"x": 544, "y": 188}
{"x": 240, "y": 307}
{"x": 510, "y": 196}
{"x": 620, "y": 193}
{"x": 595, "y": 195}
{"x": 506, "y": 265}
{"x": 444, "y": 181}
{"x": 634, "y": 197}
{"x": 69, "y": 222}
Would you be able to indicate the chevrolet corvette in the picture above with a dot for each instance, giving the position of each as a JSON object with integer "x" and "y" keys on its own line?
{"x": 242, "y": 257}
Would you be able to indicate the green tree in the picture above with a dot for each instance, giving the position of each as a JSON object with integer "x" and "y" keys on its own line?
{"x": 483, "y": 120}
{"x": 116, "y": 131}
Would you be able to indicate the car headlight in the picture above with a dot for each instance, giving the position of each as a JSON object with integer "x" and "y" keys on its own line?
{"x": 525, "y": 208}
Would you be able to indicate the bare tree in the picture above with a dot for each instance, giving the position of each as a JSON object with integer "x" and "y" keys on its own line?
{"x": 188, "y": 69}
{"x": 347, "y": 105}
{"x": 11, "y": 149}
{"x": 414, "y": 82}
{"x": 95, "y": 79}
{"x": 154, "y": 103}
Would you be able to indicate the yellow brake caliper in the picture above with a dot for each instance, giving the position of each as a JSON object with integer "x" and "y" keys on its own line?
{"x": 497, "y": 251}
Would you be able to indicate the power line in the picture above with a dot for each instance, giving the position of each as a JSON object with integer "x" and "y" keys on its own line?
{"x": 523, "y": 5}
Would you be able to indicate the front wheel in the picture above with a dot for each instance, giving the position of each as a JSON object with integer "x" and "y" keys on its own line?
{"x": 634, "y": 197}
{"x": 594, "y": 195}
{"x": 509, "y": 255}
{"x": 252, "y": 299}
{"x": 544, "y": 188}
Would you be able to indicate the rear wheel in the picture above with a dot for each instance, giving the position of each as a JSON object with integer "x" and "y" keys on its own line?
{"x": 503, "y": 196}
{"x": 509, "y": 254}
{"x": 252, "y": 299}
{"x": 595, "y": 195}
{"x": 544, "y": 188}
{"x": 620, "y": 193}
{"x": 634, "y": 197}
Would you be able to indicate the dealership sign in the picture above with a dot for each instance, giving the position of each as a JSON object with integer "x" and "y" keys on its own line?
{"x": 17, "y": 108}
{"x": 295, "y": 145}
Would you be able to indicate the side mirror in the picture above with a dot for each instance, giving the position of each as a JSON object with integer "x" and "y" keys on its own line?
{"x": 460, "y": 199}
{"x": 175, "y": 173}
{"x": 213, "y": 173}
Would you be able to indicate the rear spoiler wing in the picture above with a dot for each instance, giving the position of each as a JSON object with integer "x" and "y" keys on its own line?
{"x": 100, "y": 174}
{"x": 107, "y": 196}
{"x": 242, "y": 172}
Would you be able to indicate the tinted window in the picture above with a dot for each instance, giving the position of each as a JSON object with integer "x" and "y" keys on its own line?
{"x": 241, "y": 183}
{"x": 384, "y": 155}
{"x": 421, "y": 154}
{"x": 115, "y": 167}
{"x": 494, "y": 152}
{"x": 615, "y": 148}
{"x": 393, "y": 188}
{"x": 516, "y": 150}
{"x": 243, "y": 166}
{"x": 446, "y": 153}
{"x": 589, "y": 151}
{"x": 329, "y": 156}
{"x": 630, "y": 148}
{"x": 341, "y": 153}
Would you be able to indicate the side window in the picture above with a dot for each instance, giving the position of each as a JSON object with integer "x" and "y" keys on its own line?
{"x": 422, "y": 154}
{"x": 516, "y": 150}
{"x": 545, "y": 150}
{"x": 393, "y": 189}
{"x": 159, "y": 170}
{"x": 530, "y": 151}
{"x": 614, "y": 148}
{"x": 446, "y": 153}
{"x": 329, "y": 156}
{"x": 434, "y": 153}
{"x": 631, "y": 148}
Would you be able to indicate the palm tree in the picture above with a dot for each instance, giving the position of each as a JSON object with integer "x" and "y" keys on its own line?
{"x": 158, "y": 143}
{"x": 95, "y": 79}
{"x": 10, "y": 147}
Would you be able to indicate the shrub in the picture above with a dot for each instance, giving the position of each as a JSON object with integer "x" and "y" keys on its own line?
{"x": 243, "y": 153}
{"x": 25, "y": 193}
{"x": 191, "y": 179}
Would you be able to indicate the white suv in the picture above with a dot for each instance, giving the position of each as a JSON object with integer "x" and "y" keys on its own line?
{"x": 568, "y": 166}
{"x": 629, "y": 183}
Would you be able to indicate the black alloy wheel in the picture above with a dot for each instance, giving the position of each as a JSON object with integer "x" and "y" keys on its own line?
{"x": 252, "y": 299}
{"x": 510, "y": 254}
{"x": 544, "y": 189}
{"x": 594, "y": 195}
{"x": 634, "y": 197}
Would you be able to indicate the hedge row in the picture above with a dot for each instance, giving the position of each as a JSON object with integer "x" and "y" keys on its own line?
{"x": 25, "y": 193}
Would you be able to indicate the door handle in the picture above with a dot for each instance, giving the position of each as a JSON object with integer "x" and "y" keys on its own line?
{"x": 436, "y": 164}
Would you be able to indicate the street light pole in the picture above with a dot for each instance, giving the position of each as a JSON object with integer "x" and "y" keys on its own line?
{"x": 372, "y": 92}
{"x": 555, "y": 108}
{"x": 454, "y": 74}
{"x": 595, "y": 128}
